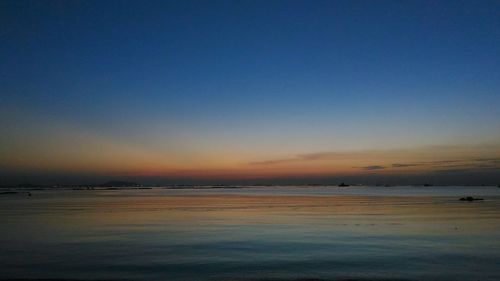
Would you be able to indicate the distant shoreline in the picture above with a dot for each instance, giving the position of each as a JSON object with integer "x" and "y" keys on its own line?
{"x": 209, "y": 186}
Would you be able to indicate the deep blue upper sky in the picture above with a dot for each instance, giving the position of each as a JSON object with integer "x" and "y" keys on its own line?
{"x": 349, "y": 72}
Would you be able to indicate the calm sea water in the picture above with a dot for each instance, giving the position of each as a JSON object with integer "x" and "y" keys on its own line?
{"x": 368, "y": 233}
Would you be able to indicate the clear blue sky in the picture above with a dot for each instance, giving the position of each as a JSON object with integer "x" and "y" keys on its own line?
{"x": 209, "y": 88}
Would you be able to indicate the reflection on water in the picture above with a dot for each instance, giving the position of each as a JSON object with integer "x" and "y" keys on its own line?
{"x": 248, "y": 234}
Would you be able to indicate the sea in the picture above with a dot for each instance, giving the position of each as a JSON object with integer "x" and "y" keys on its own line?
{"x": 251, "y": 233}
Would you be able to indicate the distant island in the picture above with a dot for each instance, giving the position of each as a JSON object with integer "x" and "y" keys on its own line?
{"x": 120, "y": 184}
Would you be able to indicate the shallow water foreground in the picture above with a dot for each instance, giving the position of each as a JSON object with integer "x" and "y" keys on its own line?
{"x": 329, "y": 233}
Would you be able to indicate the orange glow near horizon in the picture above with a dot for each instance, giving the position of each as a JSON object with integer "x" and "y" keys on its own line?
{"x": 64, "y": 149}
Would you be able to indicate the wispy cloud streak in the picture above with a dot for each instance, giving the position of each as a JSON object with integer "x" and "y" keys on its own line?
{"x": 373, "y": 167}
{"x": 318, "y": 156}
{"x": 466, "y": 158}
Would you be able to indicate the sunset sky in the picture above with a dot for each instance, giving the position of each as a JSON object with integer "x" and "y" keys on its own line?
{"x": 250, "y": 91}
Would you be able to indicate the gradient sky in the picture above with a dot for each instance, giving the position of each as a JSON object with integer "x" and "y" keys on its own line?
{"x": 242, "y": 91}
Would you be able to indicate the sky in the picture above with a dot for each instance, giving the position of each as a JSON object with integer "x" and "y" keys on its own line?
{"x": 250, "y": 91}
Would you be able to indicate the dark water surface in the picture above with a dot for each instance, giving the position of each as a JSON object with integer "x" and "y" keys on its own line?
{"x": 368, "y": 233}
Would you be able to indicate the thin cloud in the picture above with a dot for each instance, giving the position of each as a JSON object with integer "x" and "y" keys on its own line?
{"x": 478, "y": 162}
{"x": 451, "y": 171}
{"x": 474, "y": 157}
{"x": 373, "y": 167}
{"x": 493, "y": 160}
{"x": 404, "y": 165}
{"x": 317, "y": 156}
{"x": 274, "y": 162}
